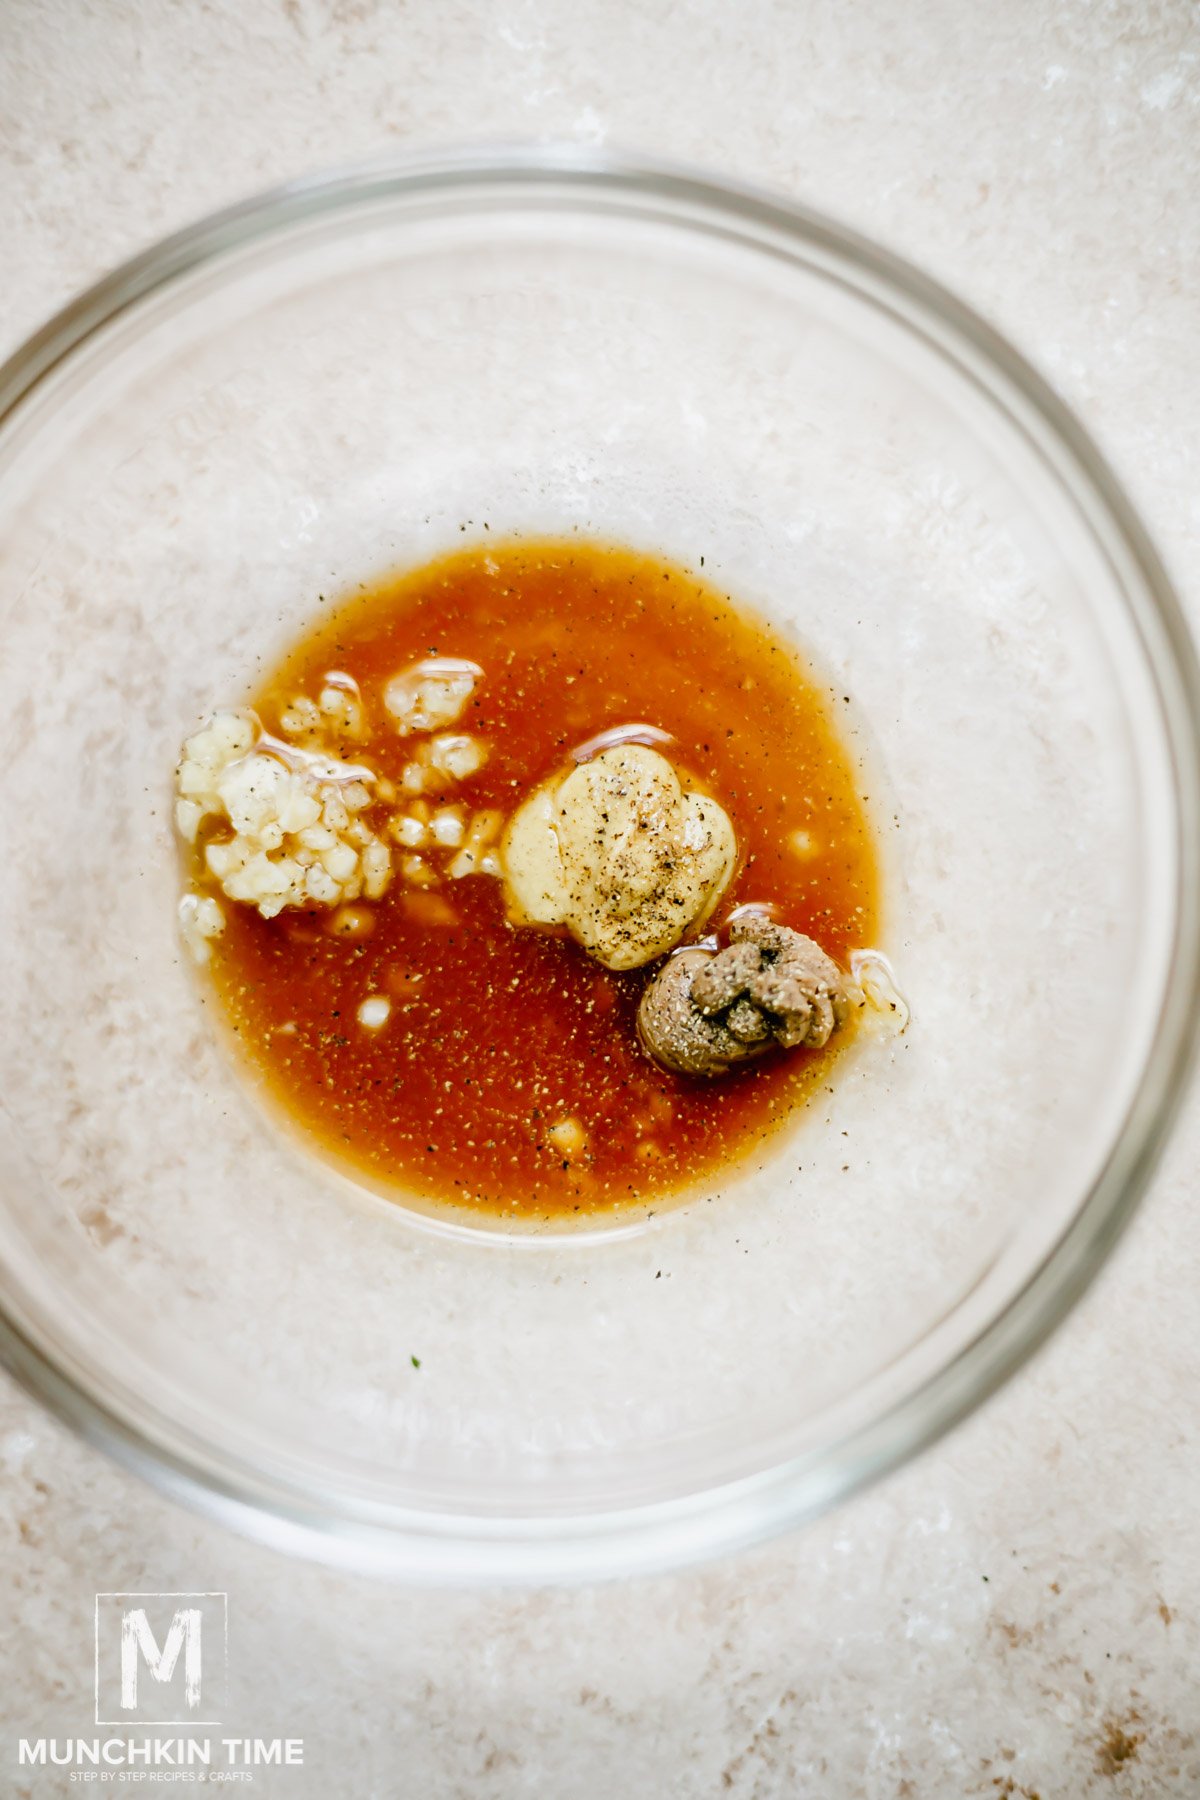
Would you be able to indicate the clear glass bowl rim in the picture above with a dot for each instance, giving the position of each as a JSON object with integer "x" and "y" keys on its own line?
{"x": 396, "y": 1540}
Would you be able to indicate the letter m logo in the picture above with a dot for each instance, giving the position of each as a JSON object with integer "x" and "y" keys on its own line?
{"x": 160, "y": 1658}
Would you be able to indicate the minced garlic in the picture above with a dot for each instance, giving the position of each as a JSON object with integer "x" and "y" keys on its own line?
{"x": 430, "y": 694}
{"x": 200, "y": 920}
{"x": 296, "y": 834}
{"x": 441, "y": 761}
{"x": 446, "y": 827}
{"x": 476, "y": 857}
{"x": 374, "y": 1012}
{"x": 337, "y": 711}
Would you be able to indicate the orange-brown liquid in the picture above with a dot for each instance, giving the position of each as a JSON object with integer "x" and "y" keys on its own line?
{"x": 496, "y": 1034}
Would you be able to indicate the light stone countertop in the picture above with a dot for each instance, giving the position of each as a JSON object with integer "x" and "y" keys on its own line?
{"x": 1018, "y": 1613}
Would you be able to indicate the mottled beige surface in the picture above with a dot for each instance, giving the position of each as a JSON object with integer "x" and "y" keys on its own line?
{"x": 1019, "y": 1613}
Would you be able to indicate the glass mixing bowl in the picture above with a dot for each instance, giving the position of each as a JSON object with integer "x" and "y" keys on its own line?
{"x": 356, "y": 372}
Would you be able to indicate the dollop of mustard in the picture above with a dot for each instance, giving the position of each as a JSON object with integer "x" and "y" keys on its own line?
{"x": 622, "y": 853}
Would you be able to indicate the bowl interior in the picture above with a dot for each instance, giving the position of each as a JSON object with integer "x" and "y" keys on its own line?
{"x": 362, "y": 385}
